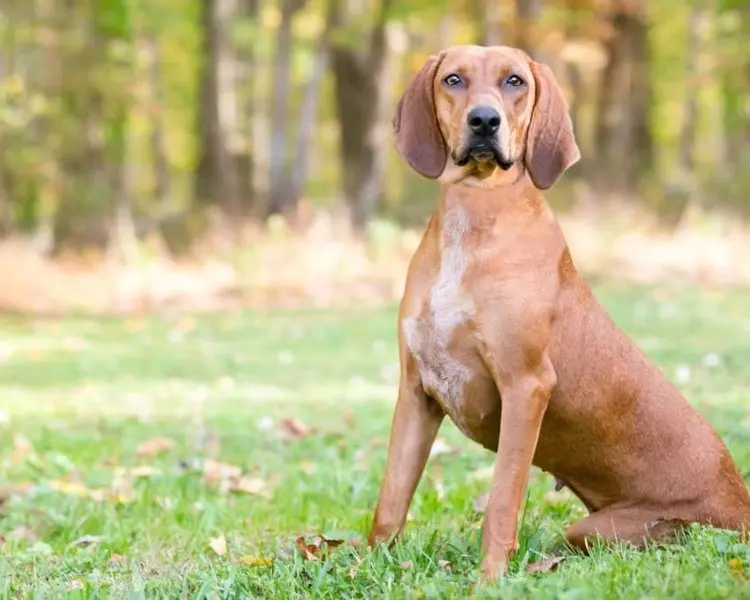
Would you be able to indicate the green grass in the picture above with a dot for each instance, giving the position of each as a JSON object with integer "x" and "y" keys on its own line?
{"x": 85, "y": 393}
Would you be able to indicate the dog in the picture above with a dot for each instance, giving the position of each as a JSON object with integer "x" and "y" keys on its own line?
{"x": 498, "y": 331}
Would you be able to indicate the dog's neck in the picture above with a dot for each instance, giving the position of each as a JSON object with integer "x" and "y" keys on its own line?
{"x": 499, "y": 193}
{"x": 483, "y": 176}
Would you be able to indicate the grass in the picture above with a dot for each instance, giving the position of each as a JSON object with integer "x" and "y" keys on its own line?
{"x": 78, "y": 397}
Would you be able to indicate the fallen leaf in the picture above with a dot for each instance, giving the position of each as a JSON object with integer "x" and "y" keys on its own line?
{"x": 8, "y": 490}
{"x": 70, "y": 488}
{"x": 21, "y": 448}
{"x": 711, "y": 360}
{"x": 295, "y": 428}
{"x": 736, "y": 567}
{"x": 405, "y": 564}
{"x": 480, "y": 502}
{"x": 307, "y": 467}
{"x": 143, "y": 471}
{"x": 22, "y": 533}
{"x": 446, "y": 565}
{"x": 320, "y": 544}
{"x": 249, "y": 485}
{"x": 308, "y": 551}
{"x": 682, "y": 374}
{"x": 484, "y": 473}
{"x": 254, "y": 561}
{"x": 216, "y": 472}
{"x": 165, "y": 502}
{"x": 219, "y": 545}
{"x": 555, "y": 497}
{"x": 264, "y": 424}
{"x": 85, "y": 541}
{"x": 547, "y": 565}
{"x": 441, "y": 447}
{"x": 116, "y": 560}
{"x": 155, "y": 446}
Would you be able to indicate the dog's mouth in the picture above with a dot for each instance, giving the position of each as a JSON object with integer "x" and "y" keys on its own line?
{"x": 482, "y": 152}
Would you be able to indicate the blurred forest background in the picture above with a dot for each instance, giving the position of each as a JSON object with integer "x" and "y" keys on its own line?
{"x": 251, "y": 140}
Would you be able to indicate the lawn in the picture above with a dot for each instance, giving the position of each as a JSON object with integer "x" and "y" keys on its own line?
{"x": 182, "y": 457}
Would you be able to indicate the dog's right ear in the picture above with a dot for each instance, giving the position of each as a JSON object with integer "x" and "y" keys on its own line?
{"x": 418, "y": 137}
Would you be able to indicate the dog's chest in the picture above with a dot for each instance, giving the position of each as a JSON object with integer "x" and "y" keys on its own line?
{"x": 447, "y": 306}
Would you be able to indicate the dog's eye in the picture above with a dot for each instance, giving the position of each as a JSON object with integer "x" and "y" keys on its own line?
{"x": 452, "y": 80}
{"x": 514, "y": 81}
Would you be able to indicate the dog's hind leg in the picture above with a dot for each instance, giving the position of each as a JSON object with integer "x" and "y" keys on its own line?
{"x": 612, "y": 525}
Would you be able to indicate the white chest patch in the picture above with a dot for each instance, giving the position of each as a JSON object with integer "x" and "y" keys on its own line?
{"x": 427, "y": 335}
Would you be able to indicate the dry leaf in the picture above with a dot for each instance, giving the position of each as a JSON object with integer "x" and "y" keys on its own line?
{"x": 320, "y": 544}
{"x": 249, "y": 485}
{"x": 736, "y": 567}
{"x": 70, "y": 488}
{"x": 480, "y": 502}
{"x": 440, "y": 447}
{"x": 446, "y": 565}
{"x": 555, "y": 497}
{"x": 8, "y": 490}
{"x": 547, "y": 565}
{"x": 22, "y": 533}
{"x": 115, "y": 560}
{"x": 254, "y": 561}
{"x": 155, "y": 446}
{"x": 295, "y": 428}
{"x": 484, "y": 473}
{"x": 219, "y": 545}
{"x": 21, "y": 448}
{"x": 405, "y": 564}
{"x": 143, "y": 471}
{"x": 85, "y": 541}
{"x": 308, "y": 551}
{"x": 216, "y": 472}
{"x": 307, "y": 467}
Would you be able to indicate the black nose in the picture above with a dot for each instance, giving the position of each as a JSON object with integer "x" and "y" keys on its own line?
{"x": 483, "y": 120}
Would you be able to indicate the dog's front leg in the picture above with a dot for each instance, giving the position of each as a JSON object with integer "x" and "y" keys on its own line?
{"x": 416, "y": 421}
{"x": 525, "y": 396}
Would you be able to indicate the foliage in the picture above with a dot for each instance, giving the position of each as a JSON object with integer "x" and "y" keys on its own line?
{"x": 100, "y": 103}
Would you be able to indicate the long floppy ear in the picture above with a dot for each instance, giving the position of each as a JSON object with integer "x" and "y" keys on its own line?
{"x": 418, "y": 137}
{"x": 551, "y": 147}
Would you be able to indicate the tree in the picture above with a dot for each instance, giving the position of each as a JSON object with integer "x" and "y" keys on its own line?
{"x": 360, "y": 95}
{"x": 281, "y": 198}
{"x": 215, "y": 177}
{"x": 624, "y": 145}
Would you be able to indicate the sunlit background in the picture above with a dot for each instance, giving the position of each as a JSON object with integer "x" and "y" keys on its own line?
{"x": 179, "y": 151}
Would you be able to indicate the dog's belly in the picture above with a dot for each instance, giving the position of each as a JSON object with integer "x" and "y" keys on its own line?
{"x": 456, "y": 378}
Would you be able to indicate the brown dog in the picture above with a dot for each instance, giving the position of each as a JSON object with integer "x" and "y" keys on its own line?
{"x": 498, "y": 330}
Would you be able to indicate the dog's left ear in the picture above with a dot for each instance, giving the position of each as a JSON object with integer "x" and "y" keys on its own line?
{"x": 551, "y": 147}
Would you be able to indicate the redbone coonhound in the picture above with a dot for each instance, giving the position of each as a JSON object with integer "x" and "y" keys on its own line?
{"x": 498, "y": 331}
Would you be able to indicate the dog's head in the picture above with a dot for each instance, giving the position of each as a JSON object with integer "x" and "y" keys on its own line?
{"x": 485, "y": 108}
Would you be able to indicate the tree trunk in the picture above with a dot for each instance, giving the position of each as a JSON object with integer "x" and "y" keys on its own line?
{"x": 308, "y": 112}
{"x": 215, "y": 181}
{"x": 487, "y": 17}
{"x": 623, "y": 136}
{"x": 281, "y": 198}
{"x": 84, "y": 212}
{"x": 686, "y": 146}
{"x": 162, "y": 182}
{"x": 360, "y": 93}
{"x": 527, "y": 14}
{"x": 246, "y": 74}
